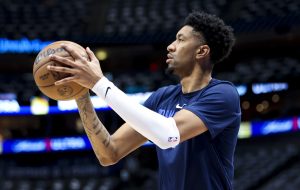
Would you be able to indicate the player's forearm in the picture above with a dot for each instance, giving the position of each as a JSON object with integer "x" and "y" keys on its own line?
{"x": 96, "y": 132}
{"x": 161, "y": 130}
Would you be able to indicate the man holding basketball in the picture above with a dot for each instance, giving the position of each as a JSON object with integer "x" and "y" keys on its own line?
{"x": 194, "y": 124}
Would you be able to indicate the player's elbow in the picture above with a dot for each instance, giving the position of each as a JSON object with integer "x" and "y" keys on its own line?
{"x": 108, "y": 161}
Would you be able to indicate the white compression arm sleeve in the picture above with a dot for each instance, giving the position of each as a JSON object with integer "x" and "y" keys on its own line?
{"x": 160, "y": 130}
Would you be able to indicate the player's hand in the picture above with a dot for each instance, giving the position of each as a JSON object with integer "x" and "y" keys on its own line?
{"x": 84, "y": 72}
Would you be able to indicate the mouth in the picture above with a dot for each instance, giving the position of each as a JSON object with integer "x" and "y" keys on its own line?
{"x": 169, "y": 58}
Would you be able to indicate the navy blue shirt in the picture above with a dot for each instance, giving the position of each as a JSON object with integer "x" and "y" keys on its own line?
{"x": 205, "y": 161}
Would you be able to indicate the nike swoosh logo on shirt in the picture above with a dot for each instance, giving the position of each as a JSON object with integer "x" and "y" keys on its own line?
{"x": 108, "y": 88}
{"x": 180, "y": 107}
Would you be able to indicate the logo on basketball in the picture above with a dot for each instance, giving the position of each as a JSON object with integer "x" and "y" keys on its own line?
{"x": 65, "y": 90}
{"x": 47, "y": 53}
{"x": 45, "y": 76}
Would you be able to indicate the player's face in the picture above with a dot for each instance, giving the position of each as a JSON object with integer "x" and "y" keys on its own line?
{"x": 181, "y": 56}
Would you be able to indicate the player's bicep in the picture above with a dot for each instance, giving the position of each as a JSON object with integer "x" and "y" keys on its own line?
{"x": 188, "y": 124}
{"x": 126, "y": 140}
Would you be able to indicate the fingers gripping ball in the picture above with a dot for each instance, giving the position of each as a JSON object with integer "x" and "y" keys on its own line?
{"x": 45, "y": 79}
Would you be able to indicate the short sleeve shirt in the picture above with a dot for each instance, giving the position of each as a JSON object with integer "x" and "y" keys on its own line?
{"x": 205, "y": 161}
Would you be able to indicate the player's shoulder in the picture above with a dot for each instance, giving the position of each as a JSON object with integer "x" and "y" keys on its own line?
{"x": 218, "y": 82}
{"x": 223, "y": 86}
{"x": 162, "y": 94}
{"x": 167, "y": 90}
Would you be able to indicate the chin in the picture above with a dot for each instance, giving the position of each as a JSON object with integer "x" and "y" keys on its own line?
{"x": 169, "y": 71}
{"x": 172, "y": 73}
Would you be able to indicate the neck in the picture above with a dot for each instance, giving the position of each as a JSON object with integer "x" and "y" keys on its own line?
{"x": 197, "y": 80}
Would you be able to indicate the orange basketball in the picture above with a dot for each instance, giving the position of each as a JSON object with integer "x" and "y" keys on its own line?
{"x": 45, "y": 79}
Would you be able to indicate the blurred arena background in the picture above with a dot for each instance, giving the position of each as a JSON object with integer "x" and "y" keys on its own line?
{"x": 42, "y": 142}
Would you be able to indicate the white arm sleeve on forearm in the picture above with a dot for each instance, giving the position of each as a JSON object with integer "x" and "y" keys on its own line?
{"x": 160, "y": 130}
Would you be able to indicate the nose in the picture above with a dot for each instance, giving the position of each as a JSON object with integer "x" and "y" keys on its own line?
{"x": 171, "y": 47}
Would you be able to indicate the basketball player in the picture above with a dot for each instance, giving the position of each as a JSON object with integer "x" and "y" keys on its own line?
{"x": 193, "y": 124}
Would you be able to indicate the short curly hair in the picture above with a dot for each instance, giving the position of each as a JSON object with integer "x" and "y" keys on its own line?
{"x": 217, "y": 35}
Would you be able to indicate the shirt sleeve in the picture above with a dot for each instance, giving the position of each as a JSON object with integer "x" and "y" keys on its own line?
{"x": 218, "y": 108}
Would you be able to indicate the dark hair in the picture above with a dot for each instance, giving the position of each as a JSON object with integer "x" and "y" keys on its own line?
{"x": 218, "y": 36}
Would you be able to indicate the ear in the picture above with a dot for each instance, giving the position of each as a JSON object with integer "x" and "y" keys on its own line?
{"x": 202, "y": 51}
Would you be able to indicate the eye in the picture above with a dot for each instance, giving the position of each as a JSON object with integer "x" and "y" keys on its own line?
{"x": 180, "y": 39}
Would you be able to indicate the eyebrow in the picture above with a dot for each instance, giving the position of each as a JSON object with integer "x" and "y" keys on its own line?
{"x": 179, "y": 35}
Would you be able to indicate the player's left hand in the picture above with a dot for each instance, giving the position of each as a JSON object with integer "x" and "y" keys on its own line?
{"x": 84, "y": 72}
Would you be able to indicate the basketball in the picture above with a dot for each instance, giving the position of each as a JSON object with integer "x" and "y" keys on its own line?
{"x": 45, "y": 79}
